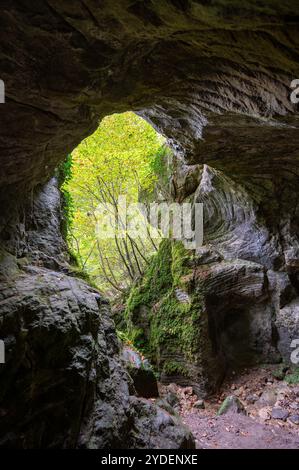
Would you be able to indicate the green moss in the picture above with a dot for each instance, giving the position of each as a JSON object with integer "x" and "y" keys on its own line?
{"x": 180, "y": 262}
{"x": 280, "y": 372}
{"x": 81, "y": 274}
{"x": 174, "y": 326}
{"x": 165, "y": 271}
{"x": 175, "y": 368}
{"x": 293, "y": 377}
{"x": 64, "y": 174}
{"x": 155, "y": 282}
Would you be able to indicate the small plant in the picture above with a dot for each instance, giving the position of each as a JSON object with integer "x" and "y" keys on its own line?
{"x": 175, "y": 368}
{"x": 130, "y": 337}
{"x": 77, "y": 271}
{"x": 64, "y": 177}
{"x": 293, "y": 376}
{"x": 280, "y": 372}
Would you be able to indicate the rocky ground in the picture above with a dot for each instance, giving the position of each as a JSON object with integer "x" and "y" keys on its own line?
{"x": 270, "y": 418}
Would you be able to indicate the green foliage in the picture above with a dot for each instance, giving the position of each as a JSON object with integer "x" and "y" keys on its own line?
{"x": 158, "y": 163}
{"x": 64, "y": 177}
{"x": 84, "y": 275}
{"x": 119, "y": 158}
{"x": 293, "y": 376}
{"x": 131, "y": 337}
{"x": 175, "y": 368}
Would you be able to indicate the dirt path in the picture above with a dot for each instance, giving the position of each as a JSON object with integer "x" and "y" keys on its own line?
{"x": 235, "y": 431}
{"x": 270, "y": 419}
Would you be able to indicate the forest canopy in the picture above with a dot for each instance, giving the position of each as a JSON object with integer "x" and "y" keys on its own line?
{"x": 124, "y": 157}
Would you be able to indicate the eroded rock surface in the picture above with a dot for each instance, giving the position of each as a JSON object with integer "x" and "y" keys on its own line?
{"x": 214, "y": 78}
{"x": 64, "y": 384}
{"x": 141, "y": 372}
{"x": 193, "y": 68}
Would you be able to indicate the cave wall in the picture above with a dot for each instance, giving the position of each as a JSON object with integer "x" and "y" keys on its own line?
{"x": 214, "y": 78}
{"x": 181, "y": 63}
{"x": 64, "y": 383}
{"x": 233, "y": 303}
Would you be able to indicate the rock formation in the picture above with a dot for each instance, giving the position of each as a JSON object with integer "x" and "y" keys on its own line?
{"x": 63, "y": 384}
{"x": 214, "y": 77}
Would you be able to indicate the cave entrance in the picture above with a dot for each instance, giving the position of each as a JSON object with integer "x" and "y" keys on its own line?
{"x": 166, "y": 316}
{"x": 125, "y": 161}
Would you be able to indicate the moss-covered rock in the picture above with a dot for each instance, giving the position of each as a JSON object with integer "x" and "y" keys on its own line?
{"x": 175, "y": 327}
{"x": 231, "y": 404}
{"x": 156, "y": 282}
{"x": 197, "y": 315}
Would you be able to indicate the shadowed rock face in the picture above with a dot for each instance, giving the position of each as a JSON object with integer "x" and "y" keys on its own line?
{"x": 181, "y": 63}
{"x": 64, "y": 384}
{"x": 214, "y": 77}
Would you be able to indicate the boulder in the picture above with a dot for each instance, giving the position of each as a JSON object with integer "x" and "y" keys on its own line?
{"x": 172, "y": 399}
{"x": 279, "y": 413}
{"x": 294, "y": 419}
{"x": 199, "y": 404}
{"x": 231, "y": 404}
{"x": 287, "y": 324}
{"x": 267, "y": 398}
{"x": 139, "y": 368}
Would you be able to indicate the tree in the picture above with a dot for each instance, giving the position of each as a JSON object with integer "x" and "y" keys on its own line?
{"x": 119, "y": 159}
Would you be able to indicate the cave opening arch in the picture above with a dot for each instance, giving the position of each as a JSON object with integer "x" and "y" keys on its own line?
{"x": 197, "y": 71}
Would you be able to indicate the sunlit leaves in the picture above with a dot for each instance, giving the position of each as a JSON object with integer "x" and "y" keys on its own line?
{"x": 122, "y": 153}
